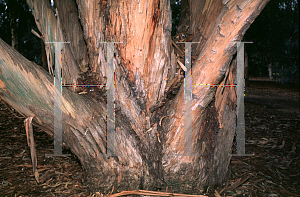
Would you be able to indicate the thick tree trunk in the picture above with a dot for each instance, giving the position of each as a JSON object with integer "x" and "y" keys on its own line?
{"x": 149, "y": 120}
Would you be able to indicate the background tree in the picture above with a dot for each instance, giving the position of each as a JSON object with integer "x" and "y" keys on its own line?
{"x": 149, "y": 89}
{"x": 17, "y": 18}
{"x": 176, "y": 10}
{"x": 275, "y": 34}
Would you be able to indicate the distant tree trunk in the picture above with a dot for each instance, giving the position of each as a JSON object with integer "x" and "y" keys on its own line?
{"x": 14, "y": 35}
{"x": 269, "y": 60}
{"x": 14, "y": 38}
{"x": 270, "y": 70}
{"x": 149, "y": 95}
{"x": 246, "y": 70}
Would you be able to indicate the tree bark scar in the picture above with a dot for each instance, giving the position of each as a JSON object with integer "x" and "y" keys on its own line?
{"x": 156, "y": 13}
{"x": 155, "y": 17}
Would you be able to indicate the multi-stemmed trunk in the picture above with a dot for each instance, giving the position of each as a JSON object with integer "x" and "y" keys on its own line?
{"x": 149, "y": 92}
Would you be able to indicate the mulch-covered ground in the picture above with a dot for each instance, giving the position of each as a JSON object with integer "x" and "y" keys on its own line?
{"x": 272, "y": 134}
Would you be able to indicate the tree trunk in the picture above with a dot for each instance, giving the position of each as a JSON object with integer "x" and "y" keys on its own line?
{"x": 13, "y": 32}
{"x": 270, "y": 70}
{"x": 246, "y": 70}
{"x": 14, "y": 38}
{"x": 149, "y": 95}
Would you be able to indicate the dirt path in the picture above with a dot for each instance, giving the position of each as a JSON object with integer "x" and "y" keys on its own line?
{"x": 273, "y": 96}
{"x": 279, "y": 104}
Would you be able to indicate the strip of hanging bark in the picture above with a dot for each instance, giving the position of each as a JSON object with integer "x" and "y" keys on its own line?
{"x": 175, "y": 45}
{"x": 181, "y": 65}
{"x": 151, "y": 193}
{"x": 30, "y": 141}
{"x": 161, "y": 120}
{"x": 148, "y": 131}
{"x": 171, "y": 83}
{"x": 157, "y": 134}
{"x": 180, "y": 51}
{"x": 225, "y": 80}
{"x": 36, "y": 34}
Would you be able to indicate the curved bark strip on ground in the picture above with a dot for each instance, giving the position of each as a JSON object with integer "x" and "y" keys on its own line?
{"x": 149, "y": 126}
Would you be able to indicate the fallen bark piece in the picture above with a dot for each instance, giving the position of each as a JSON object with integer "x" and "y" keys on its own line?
{"x": 237, "y": 183}
{"x": 151, "y": 193}
{"x": 30, "y": 141}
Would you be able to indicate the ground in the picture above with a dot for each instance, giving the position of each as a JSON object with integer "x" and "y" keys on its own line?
{"x": 272, "y": 134}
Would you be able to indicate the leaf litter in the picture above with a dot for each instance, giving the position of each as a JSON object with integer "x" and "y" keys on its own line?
{"x": 272, "y": 134}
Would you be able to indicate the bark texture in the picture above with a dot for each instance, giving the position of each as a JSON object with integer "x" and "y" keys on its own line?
{"x": 149, "y": 120}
